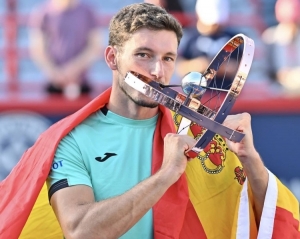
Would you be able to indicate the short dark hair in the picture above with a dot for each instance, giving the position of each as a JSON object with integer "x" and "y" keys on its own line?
{"x": 141, "y": 15}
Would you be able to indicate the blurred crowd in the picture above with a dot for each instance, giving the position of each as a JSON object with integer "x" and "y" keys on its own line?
{"x": 67, "y": 38}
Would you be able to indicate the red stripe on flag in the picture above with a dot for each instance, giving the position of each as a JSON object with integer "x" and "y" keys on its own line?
{"x": 192, "y": 227}
{"x": 285, "y": 225}
{"x": 174, "y": 214}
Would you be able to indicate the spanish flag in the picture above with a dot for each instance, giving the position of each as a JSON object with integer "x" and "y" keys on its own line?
{"x": 211, "y": 200}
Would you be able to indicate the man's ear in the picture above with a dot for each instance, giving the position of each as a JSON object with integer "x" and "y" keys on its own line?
{"x": 110, "y": 56}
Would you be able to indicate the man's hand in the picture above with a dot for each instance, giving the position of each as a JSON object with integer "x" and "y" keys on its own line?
{"x": 71, "y": 73}
{"x": 175, "y": 160}
{"x": 241, "y": 123}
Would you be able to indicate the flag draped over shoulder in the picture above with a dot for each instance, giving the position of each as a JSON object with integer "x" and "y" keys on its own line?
{"x": 19, "y": 191}
{"x": 210, "y": 200}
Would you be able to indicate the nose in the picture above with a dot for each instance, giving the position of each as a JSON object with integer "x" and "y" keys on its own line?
{"x": 157, "y": 70}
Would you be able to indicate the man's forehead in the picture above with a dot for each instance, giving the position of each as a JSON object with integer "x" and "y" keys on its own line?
{"x": 154, "y": 39}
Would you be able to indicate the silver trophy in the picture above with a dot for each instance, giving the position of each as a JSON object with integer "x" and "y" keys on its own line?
{"x": 204, "y": 99}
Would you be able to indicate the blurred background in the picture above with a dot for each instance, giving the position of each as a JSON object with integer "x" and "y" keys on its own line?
{"x": 27, "y": 106}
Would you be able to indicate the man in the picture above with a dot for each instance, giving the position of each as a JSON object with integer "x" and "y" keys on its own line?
{"x": 283, "y": 48}
{"x": 103, "y": 185}
{"x": 120, "y": 170}
{"x": 170, "y": 5}
{"x": 65, "y": 41}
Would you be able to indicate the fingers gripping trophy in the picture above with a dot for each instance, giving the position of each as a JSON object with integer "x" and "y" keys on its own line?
{"x": 202, "y": 99}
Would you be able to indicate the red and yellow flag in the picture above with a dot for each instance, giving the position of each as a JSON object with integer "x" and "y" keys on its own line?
{"x": 211, "y": 200}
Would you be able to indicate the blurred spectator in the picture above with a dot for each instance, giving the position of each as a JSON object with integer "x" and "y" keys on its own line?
{"x": 201, "y": 43}
{"x": 64, "y": 42}
{"x": 176, "y": 8}
{"x": 283, "y": 45}
{"x": 169, "y": 5}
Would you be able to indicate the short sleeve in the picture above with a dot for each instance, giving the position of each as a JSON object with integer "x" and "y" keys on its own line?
{"x": 68, "y": 168}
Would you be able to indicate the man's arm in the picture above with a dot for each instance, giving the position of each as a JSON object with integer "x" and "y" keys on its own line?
{"x": 81, "y": 217}
{"x": 253, "y": 165}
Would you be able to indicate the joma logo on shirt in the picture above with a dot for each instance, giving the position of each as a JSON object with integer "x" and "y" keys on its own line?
{"x": 107, "y": 156}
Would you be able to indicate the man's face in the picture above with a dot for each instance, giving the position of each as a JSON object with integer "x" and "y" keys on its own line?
{"x": 287, "y": 11}
{"x": 151, "y": 53}
{"x": 63, "y": 4}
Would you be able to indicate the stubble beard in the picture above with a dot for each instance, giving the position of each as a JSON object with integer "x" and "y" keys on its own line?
{"x": 140, "y": 99}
